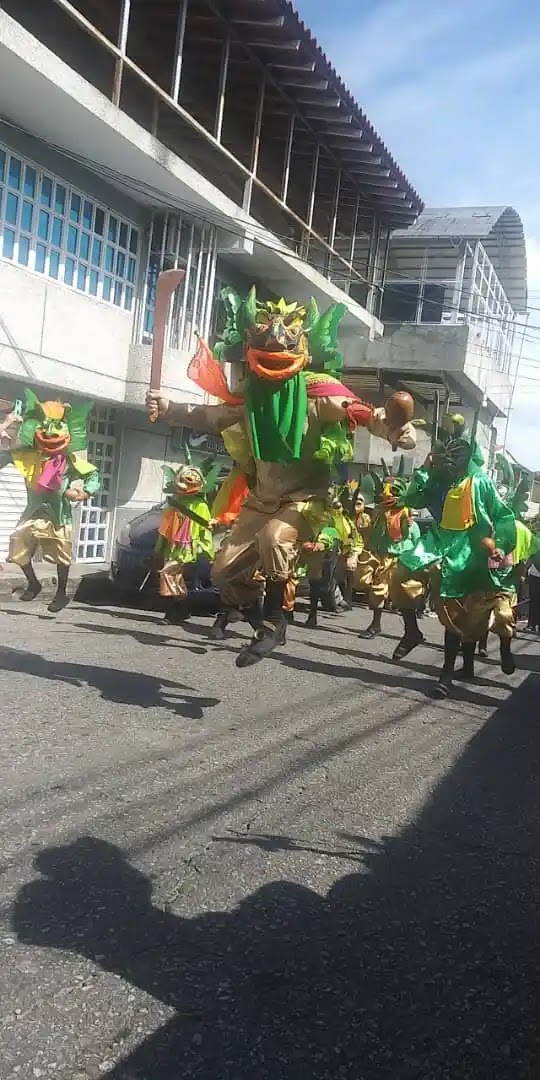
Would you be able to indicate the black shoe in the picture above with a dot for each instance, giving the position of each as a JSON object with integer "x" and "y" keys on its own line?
{"x": 176, "y": 618}
{"x": 443, "y": 688}
{"x": 467, "y": 671}
{"x": 483, "y": 654}
{"x": 218, "y": 630}
{"x": 407, "y": 644}
{"x": 59, "y": 602}
{"x": 31, "y": 592}
{"x": 370, "y": 632}
{"x": 261, "y": 645}
{"x": 508, "y": 664}
{"x": 465, "y": 674}
{"x": 311, "y": 622}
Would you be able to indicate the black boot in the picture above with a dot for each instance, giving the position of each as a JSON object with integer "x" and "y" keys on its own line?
{"x": 482, "y": 647}
{"x": 347, "y": 591}
{"x": 217, "y": 631}
{"x": 270, "y": 631}
{"x": 33, "y": 588}
{"x": 177, "y": 611}
{"x": 374, "y": 629}
{"x": 60, "y": 600}
{"x": 452, "y": 644}
{"x": 412, "y": 637}
{"x": 508, "y": 664}
{"x": 314, "y": 597}
{"x": 468, "y": 650}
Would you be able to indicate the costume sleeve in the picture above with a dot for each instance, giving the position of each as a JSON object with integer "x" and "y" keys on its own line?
{"x": 496, "y": 517}
{"x": 414, "y": 532}
{"x": 417, "y": 493}
{"x": 211, "y": 418}
{"x": 92, "y": 483}
{"x": 333, "y": 409}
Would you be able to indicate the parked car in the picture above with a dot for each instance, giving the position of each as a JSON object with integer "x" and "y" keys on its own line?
{"x": 132, "y": 562}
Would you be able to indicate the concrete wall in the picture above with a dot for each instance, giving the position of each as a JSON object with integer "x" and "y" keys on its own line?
{"x": 174, "y": 380}
{"x": 369, "y": 450}
{"x": 54, "y": 335}
{"x": 143, "y": 449}
{"x": 481, "y": 370}
{"x": 75, "y": 173}
{"x": 408, "y": 347}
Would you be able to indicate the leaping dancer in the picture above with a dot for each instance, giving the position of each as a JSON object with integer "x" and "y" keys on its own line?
{"x": 286, "y": 426}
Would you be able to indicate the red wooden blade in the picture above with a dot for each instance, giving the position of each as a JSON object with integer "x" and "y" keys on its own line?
{"x": 167, "y": 282}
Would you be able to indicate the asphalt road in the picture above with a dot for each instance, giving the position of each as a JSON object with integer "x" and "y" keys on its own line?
{"x": 307, "y": 870}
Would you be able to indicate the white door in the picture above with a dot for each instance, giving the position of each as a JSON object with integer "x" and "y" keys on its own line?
{"x": 12, "y": 504}
{"x": 96, "y": 514}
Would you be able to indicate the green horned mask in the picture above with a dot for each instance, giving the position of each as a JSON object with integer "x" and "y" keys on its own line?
{"x": 54, "y": 427}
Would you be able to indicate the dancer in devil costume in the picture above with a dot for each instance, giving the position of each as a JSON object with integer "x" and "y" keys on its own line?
{"x": 393, "y": 532}
{"x": 184, "y": 534}
{"x": 286, "y": 426}
{"x": 467, "y": 555}
{"x": 48, "y": 445}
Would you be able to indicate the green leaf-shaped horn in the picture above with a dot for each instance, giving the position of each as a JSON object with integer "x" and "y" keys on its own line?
{"x": 27, "y": 431}
{"x": 247, "y": 312}
{"x": 76, "y": 417}
{"x": 312, "y": 316}
{"x": 505, "y": 469}
{"x": 323, "y": 336}
{"x": 367, "y": 487}
{"x": 377, "y": 483}
{"x": 168, "y": 476}
{"x": 231, "y": 298}
{"x": 31, "y": 402}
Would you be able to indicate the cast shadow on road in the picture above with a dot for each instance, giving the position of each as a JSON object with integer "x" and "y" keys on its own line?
{"x": 423, "y": 964}
{"x": 119, "y": 686}
{"x": 139, "y": 636}
{"x": 368, "y": 676}
{"x": 407, "y": 665}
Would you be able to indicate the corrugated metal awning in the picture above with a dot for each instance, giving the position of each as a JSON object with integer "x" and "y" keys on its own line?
{"x": 499, "y": 228}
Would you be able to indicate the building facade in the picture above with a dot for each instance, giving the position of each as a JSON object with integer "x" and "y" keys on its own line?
{"x": 137, "y": 137}
{"x": 454, "y": 306}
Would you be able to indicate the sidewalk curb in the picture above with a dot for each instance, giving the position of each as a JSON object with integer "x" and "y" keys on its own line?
{"x": 84, "y": 583}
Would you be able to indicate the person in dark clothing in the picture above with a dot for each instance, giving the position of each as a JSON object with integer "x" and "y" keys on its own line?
{"x": 533, "y": 579}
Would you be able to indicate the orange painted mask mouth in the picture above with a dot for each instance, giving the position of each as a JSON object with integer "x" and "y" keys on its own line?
{"x": 275, "y": 366}
{"x": 51, "y": 444}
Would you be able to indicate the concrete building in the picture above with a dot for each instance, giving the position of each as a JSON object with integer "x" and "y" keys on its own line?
{"x": 141, "y": 136}
{"x": 454, "y": 307}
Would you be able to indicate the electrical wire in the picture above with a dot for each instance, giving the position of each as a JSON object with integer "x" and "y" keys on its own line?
{"x": 251, "y": 230}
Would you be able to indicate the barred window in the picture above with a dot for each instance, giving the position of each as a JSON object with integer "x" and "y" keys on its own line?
{"x": 55, "y": 230}
{"x": 180, "y": 242}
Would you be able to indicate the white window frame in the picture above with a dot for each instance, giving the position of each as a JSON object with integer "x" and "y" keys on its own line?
{"x": 176, "y": 242}
{"x": 97, "y": 513}
{"x": 123, "y": 285}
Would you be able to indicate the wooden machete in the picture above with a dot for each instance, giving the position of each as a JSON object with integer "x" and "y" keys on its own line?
{"x": 167, "y": 282}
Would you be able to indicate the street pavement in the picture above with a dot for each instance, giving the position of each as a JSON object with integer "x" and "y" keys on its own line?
{"x": 308, "y": 870}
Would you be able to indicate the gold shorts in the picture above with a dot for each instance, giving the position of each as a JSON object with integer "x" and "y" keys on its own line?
{"x": 171, "y": 580}
{"x": 372, "y": 575}
{"x": 55, "y": 542}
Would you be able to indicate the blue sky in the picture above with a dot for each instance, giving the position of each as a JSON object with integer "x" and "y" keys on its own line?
{"x": 453, "y": 88}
